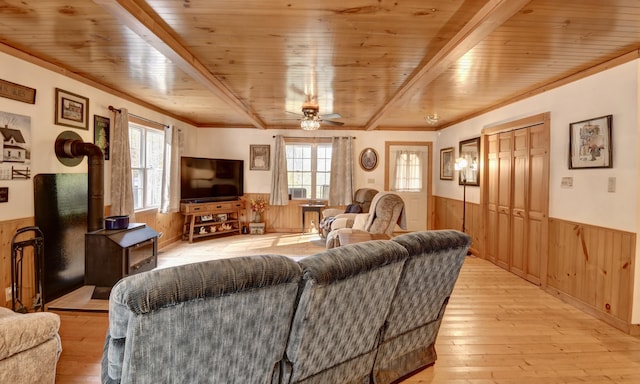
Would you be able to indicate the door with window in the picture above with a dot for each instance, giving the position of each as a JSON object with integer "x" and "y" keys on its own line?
{"x": 408, "y": 173}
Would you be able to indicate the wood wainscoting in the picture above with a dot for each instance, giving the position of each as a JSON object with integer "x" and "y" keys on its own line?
{"x": 286, "y": 219}
{"x": 170, "y": 225}
{"x": 589, "y": 267}
{"x": 282, "y": 219}
{"x": 448, "y": 215}
{"x": 593, "y": 269}
{"x": 7, "y": 230}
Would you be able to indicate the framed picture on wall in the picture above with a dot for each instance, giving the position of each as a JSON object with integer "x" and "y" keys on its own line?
{"x": 259, "y": 156}
{"x": 470, "y": 152}
{"x": 447, "y": 159}
{"x": 71, "y": 110}
{"x": 590, "y": 143}
{"x": 101, "y": 133}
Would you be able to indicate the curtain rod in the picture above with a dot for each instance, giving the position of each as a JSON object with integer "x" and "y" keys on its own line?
{"x": 114, "y": 109}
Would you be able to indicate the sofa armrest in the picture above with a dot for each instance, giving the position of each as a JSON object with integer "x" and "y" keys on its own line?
{"x": 341, "y": 222}
{"x": 19, "y": 332}
{"x": 331, "y": 212}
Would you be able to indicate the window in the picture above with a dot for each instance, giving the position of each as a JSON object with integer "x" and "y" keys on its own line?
{"x": 408, "y": 172}
{"x": 309, "y": 170}
{"x": 147, "y": 159}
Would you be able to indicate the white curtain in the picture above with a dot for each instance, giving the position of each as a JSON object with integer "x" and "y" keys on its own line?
{"x": 341, "y": 187}
{"x": 170, "y": 198}
{"x": 408, "y": 171}
{"x": 279, "y": 185}
{"x": 121, "y": 178}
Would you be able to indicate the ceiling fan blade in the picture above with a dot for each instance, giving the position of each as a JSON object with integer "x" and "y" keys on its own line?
{"x": 295, "y": 113}
{"x": 331, "y": 122}
{"x": 297, "y": 90}
{"x": 331, "y": 116}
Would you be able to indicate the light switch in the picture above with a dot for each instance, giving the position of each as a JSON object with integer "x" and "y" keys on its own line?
{"x": 611, "y": 187}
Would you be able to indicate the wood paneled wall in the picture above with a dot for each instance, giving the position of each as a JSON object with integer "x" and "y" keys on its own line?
{"x": 589, "y": 267}
{"x": 448, "y": 215}
{"x": 278, "y": 219}
{"x": 592, "y": 267}
{"x": 170, "y": 225}
{"x": 286, "y": 219}
{"x": 7, "y": 230}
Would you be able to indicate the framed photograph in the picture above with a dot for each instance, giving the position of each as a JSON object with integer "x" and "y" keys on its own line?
{"x": 590, "y": 143}
{"x": 259, "y": 157}
{"x": 221, "y": 217}
{"x": 368, "y": 159}
{"x": 101, "y": 128}
{"x": 71, "y": 110}
{"x": 447, "y": 159}
{"x": 470, "y": 151}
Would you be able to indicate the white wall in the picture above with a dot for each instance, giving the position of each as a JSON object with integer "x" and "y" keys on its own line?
{"x": 204, "y": 142}
{"x": 613, "y": 92}
{"x": 44, "y": 131}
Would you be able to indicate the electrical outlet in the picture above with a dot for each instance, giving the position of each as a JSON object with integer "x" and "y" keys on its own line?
{"x": 7, "y": 294}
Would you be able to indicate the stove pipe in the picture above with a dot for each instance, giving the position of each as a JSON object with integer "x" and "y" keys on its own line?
{"x": 77, "y": 148}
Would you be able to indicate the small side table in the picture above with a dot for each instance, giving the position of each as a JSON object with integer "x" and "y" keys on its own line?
{"x": 256, "y": 228}
{"x": 311, "y": 208}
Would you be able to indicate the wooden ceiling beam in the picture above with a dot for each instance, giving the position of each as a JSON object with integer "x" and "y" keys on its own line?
{"x": 483, "y": 23}
{"x": 145, "y": 25}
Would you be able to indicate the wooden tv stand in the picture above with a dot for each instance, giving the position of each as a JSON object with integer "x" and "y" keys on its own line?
{"x": 211, "y": 218}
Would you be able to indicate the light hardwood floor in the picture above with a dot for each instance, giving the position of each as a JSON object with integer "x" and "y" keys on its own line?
{"x": 497, "y": 328}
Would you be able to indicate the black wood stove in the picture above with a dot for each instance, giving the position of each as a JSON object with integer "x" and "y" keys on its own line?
{"x": 113, "y": 254}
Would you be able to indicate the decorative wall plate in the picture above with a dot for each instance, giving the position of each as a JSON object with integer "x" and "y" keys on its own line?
{"x": 368, "y": 159}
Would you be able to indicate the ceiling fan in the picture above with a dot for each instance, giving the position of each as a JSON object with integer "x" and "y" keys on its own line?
{"x": 310, "y": 119}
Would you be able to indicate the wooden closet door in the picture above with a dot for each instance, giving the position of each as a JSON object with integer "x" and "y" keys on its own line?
{"x": 515, "y": 196}
{"x": 505, "y": 141}
{"x": 519, "y": 200}
{"x": 537, "y": 220}
{"x": 491, "y": 249}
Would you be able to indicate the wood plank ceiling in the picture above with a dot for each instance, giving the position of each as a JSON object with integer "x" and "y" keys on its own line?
{"x": 379, "y": 64}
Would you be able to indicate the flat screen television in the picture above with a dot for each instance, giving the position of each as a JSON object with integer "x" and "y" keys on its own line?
{"x": 204, "y": 179}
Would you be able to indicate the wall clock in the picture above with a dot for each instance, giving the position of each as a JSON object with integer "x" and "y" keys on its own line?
{"x": 368, "y": 159}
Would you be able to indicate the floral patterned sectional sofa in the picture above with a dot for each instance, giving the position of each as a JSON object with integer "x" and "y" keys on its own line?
{"x": 362, "y": 313}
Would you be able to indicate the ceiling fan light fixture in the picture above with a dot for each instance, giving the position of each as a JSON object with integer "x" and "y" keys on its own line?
{"x": 432, "y": 119}
{"x": 309, "y": 124}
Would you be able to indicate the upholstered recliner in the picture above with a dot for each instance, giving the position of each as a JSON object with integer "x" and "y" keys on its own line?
{"x": 29, "y": 347}
{"x": 387, "y": 210}
{"x": 361, "y": 204}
